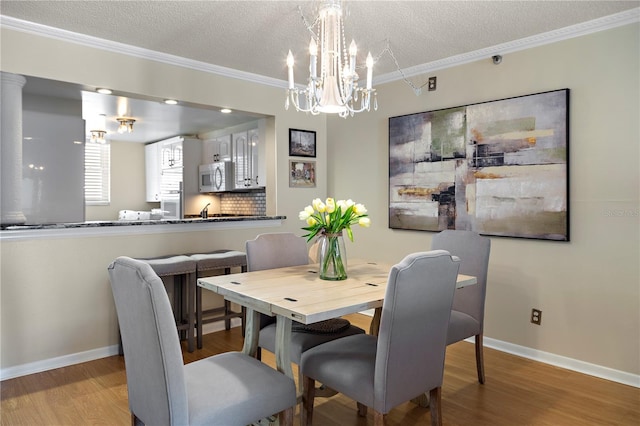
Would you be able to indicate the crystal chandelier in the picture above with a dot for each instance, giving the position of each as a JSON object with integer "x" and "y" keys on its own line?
{"x": 335, "y": 90}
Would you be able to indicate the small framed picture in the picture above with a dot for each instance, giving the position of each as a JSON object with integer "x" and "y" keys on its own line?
{"x": 302, "y": 174}
{"x": 302, "y": 143}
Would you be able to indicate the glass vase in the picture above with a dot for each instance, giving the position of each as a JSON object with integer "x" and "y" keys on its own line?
{"x": 332, "y": 257}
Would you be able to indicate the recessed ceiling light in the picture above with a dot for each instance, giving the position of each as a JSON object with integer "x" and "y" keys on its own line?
{"x": 170, "y": 102}
{"x": 104, "y": 91}
{"x": 225, "y": 110}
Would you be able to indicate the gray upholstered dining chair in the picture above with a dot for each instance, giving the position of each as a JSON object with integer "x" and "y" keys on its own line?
{"x": 467, "y": 316}
{"x": 226, "y": 389}
{"x": 407, "y": 358}
{"x": 278, "y": 250}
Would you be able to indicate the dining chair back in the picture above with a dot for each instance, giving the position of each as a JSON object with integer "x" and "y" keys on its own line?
{"x": 406, "y": 359}
{"x": 467, "y": 316}
{"x": 278, "y": 250}
{"x": 164, "y": 391}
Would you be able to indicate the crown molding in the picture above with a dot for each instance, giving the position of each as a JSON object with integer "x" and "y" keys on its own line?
{"x": 605, "y": 23}
{"x": 608, "y": 22}
{"x": 138, "y": 52}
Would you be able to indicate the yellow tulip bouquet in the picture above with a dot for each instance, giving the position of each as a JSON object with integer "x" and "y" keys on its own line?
{"x": 327, "y": 220}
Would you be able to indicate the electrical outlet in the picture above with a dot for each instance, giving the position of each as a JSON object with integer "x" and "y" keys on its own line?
{"x": 432, "y": 84}
{"x": 536, "y": 316}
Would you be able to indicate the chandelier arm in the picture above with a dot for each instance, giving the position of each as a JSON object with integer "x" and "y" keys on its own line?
{"x": 365, "y": 104}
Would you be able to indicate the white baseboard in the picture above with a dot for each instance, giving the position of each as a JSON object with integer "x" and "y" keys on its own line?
{"x": 58, "y": 362}
{"x": 212, "y": 327}
{"x": 557, "y": 360}
{"x": 522, "y": 351}
{"x": 563, "y": 362}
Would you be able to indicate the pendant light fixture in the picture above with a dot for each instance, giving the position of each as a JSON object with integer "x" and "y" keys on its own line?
{"x": 126, "y": 124}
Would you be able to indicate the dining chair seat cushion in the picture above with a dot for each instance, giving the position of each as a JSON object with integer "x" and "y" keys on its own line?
{"x": 239, "y": 379}
{"x": 347, "y": 364}
{"x": 301, "y": 342}
{"x": 333, "y": 325}
{"x": 171, "y": 265}
{"x": 461, "y": 326}
{"x": 219, "y": 259}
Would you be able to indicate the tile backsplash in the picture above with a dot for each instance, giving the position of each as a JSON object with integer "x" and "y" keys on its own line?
{"x": 252, "y": 203}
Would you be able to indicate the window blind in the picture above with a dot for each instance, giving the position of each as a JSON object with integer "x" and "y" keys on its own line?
{"x": 97, "y": 177}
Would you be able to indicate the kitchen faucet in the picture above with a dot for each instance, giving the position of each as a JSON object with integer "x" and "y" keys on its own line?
{"x": 205, "y": 212}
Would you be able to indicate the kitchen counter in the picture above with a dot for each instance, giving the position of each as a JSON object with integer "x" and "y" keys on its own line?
{"x": 98, "y": 228}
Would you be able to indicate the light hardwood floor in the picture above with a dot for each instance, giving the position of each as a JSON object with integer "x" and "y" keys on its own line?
{"x": 517, "y": 392}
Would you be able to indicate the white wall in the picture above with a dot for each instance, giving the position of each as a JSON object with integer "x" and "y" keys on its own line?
{"x": 588, "y": 289}
{"x": 55, "y": 297}
{"x": 128, "y": 184}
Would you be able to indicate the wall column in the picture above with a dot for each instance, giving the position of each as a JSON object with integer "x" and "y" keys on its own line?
{"x": 11, "y": 149}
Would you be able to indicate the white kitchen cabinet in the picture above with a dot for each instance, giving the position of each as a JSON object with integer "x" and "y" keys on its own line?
{"x": 171, "y": 153}
{"x": 246, "y": 149}
{"x": 152, "y": 163}
{"x": 242, "y": 159}
{"x": 244, "y": 146}
{"x": 216, "y": 149}
{"x": 171, "y": 162}
{"x": 258, "y": 172}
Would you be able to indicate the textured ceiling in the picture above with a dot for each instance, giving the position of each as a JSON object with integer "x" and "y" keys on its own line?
{"x": 254, "y": 36}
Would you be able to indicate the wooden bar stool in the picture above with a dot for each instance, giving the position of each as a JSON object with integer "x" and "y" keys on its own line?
{"x": 206, "y": 263}
{"x": 183, "y": 270}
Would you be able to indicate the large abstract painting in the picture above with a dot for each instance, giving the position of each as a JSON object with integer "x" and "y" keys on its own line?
{"x": 497, "y": 168}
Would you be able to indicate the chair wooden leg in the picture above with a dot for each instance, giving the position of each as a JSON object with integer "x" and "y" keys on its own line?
{"x": 480, "y": 358}
{"x": 199, "y": 317}
{"x": 190, "y": 282}
{"x": 308, "y": 394}
{"x": 362, "y": 410}
{"x": 434, "y": 406}
{"x": 285, "y": 418}
{"x": 227, "y": 311}
{"x": 378, "y": 418}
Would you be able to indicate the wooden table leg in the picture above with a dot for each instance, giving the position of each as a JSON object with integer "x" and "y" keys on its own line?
{"x": 252, "y": 334}
{"x": 375, "y": 322}
{"x": 283, "y": 345}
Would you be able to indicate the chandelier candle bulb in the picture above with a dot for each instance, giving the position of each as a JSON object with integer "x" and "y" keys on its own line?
{"x": 369, "y": 70}
{"x": 313, "y": 52}
{"x": 290, "y": 66}
{"x": 353, "y": 51}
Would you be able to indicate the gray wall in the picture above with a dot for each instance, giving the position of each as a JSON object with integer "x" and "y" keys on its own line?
{"x": 53, "y": 142}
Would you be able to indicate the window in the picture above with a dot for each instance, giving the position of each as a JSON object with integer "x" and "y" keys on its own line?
{"x": 97, "y": 166}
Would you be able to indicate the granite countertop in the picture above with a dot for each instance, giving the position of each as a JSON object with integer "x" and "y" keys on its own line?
{"x": 122, "y": 223}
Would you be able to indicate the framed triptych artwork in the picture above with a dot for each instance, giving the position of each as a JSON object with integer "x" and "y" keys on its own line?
{"x": 499, "y": 168}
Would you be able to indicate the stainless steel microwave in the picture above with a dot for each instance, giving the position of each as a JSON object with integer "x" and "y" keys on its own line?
{"x": 217, "y": 177}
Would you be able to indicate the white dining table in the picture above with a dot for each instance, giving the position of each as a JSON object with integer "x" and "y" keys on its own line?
{"x": 298, "y": 294}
